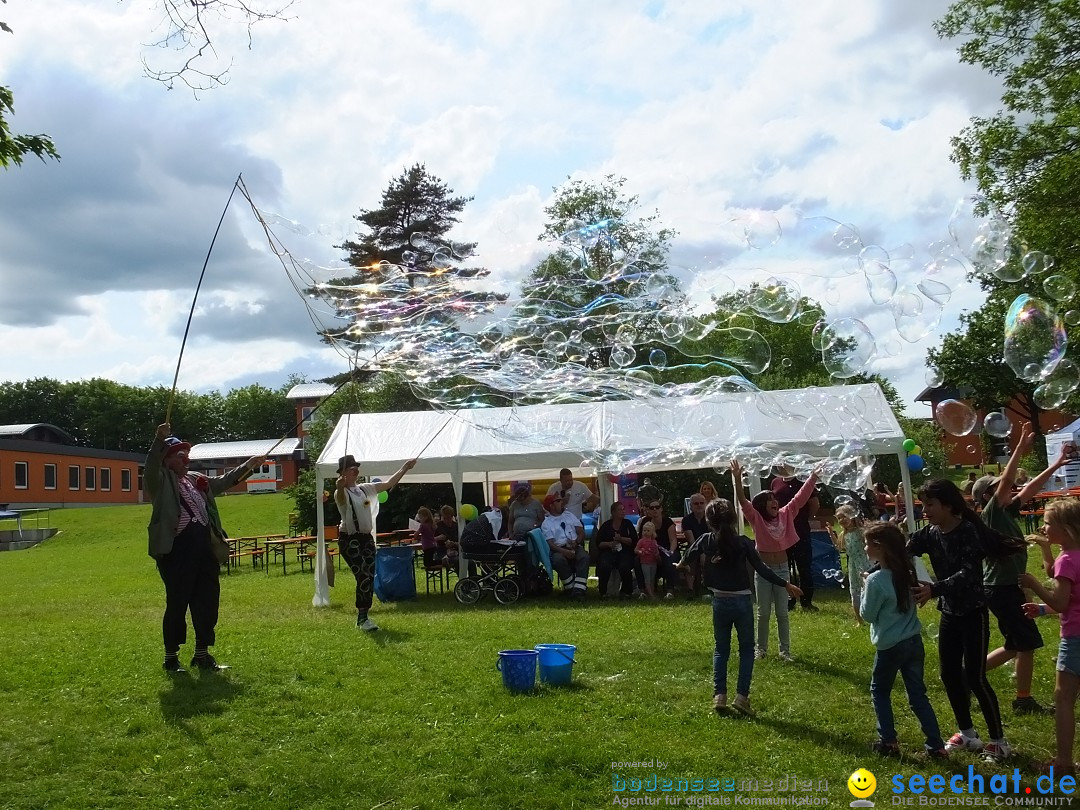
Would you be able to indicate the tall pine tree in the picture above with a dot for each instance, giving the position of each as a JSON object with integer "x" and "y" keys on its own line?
{"x": 407, "y": 269}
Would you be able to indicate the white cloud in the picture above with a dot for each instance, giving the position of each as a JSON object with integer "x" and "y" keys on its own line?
{"x": 838, "y": 109}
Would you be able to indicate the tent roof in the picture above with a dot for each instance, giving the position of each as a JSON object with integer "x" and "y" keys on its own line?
{"x": 536, "y": 440}
{"x": 247, "y": 449}
{"x": 1065, "y": 432}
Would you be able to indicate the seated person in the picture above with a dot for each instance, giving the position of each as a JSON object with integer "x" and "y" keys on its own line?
{"x": 446, "y": 534}
{"x": 526, "y": 513}
{"x": 693, "y": 528}
{"x": 615, "y": 541}
{"x": 425, "y": 536}
{"x": 566, "y": 539}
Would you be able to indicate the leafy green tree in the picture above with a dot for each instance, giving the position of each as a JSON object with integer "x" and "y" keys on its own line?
{"x": 602, "y": 245}
{"x": 407, "y": 269}
{"x": 257, "y": 412}
{"x": 13, "y": 148}
{"x": 1034, "y": 47}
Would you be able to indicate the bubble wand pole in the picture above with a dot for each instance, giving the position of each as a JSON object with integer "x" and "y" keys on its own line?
{"x": 191, "y": 312}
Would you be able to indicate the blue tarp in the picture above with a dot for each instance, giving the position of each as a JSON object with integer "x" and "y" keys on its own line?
{"x": 825, "y": 558}
{"x": 394, "y": 577}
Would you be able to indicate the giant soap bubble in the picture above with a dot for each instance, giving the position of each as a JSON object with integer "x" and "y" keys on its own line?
{"x": 955, "y": 417}
{"x": 847, "y": 346}
{"x": 997, "y": 424}
{"x": 1035, "y": 339}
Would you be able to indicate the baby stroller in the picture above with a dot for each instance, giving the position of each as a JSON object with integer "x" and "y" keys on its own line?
{"x": 496, "y": 571}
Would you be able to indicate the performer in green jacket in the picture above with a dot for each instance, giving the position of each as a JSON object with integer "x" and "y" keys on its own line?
{"x": 184, "y": 516}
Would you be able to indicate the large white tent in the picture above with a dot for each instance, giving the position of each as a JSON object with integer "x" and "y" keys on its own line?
{"x": 535, "y": 441}
{"x": 1070, "y": 473}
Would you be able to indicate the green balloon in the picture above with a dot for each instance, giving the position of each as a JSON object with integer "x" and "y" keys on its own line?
{"x": 909, "y": 445}
{"x": 383, "y": 496}
{"x": 468, "y": 511}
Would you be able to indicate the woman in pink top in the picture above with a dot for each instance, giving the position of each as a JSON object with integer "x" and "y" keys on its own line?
{"x": 774, "y": 533}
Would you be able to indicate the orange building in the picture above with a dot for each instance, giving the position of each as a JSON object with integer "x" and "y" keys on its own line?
{"x": 306, "y": 398}
{"x": 41, "y": 466}
{"x": 967, "y": 451}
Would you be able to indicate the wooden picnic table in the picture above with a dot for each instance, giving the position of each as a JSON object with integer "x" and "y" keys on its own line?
{"x": 396, "y": 537}
{"x": 280, "y": 546}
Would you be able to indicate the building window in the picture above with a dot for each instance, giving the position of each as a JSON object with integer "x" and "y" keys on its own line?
{"x": 90, "y": 477}
{"x": 21, "y": 475}
{"x": 305, "y": 417}
{"x": 280, "y": 471}
{"x": 141, "y": 468}
{"x": 50, "y": 476}
{"x": 106, "y": 479}
{"x": 73, "y": 477}
{"x": 125, "y": 479}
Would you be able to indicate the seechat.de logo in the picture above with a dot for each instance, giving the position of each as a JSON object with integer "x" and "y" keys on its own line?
{"x": 862, "y": 785}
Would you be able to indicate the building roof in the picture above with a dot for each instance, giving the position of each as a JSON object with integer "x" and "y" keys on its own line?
{"x": 67, "y": 451}
{"x": 244, "y": 450}
{"x": 24, "y": 431}
{"x": 311, "y": 391}
{"x": 936, "y": 393}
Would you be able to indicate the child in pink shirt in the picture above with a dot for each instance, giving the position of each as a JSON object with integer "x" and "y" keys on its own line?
{"x": 774, "y": 534}
{"x": 1061, "y": 522}
{"x": 648, "y": 553}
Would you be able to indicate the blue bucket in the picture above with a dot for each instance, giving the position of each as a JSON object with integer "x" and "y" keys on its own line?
{"x": 518, "y": 668}
{"x": 556, "y": 663}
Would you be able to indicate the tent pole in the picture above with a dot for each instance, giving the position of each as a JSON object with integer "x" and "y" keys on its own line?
{"x": 909, "y": 498}
{"x": 456, "y": 480}
{"x": 322, "y": 587}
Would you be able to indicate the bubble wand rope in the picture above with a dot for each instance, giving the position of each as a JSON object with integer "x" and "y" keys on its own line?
{"x": 195, "y": 298}
{"x": 449, "y": 419}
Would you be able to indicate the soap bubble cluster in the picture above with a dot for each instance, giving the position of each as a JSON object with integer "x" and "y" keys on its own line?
{"x": 619, "y": 323}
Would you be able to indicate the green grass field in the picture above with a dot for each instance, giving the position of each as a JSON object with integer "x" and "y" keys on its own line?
{"x": 314, "y": 713}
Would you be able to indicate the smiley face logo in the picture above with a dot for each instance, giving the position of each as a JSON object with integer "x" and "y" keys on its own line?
{"x": 861, "y": 783}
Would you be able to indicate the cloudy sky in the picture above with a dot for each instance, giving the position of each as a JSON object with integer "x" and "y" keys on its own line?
{"x": 710, "y": 110}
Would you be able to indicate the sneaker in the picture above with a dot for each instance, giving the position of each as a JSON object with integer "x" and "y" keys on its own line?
{"x": 791, "y": 604}
{"x": 958, "y": 742}
{"x": 719, "y": 702}
{"x": 207, "y": 663}
{"x": 936, "y": 753}
{"x": 368, "y": 625}
{"x": 811, "y": 608}
{"x": 172, "y": 666}
{"x": 786, "y": 657}
{"x": 669, "y": 596}
{"x": 885, "y": 749}
{"x": 741, "y": 704}
{"x": 759, "y": 655}
{"x": 996, "y": 751}
{"x": 1029, "y": 705}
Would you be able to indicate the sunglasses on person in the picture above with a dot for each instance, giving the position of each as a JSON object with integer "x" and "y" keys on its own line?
{"x": 653, "y": 506}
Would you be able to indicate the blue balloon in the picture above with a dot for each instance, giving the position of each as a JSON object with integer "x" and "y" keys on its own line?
{"x": 915, "y": 463}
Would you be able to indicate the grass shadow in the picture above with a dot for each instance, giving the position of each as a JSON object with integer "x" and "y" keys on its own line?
{"x": 385, "y": 637}
{"x": 190, "y": 696}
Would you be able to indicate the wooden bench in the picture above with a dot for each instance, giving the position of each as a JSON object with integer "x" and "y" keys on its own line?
{"x": 258, "y": 558}
{"x": 306, "y": 557}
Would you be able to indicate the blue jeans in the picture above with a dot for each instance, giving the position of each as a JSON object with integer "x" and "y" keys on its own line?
{"x": 907, "y": 658}
{"x": 733, "y": 612}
